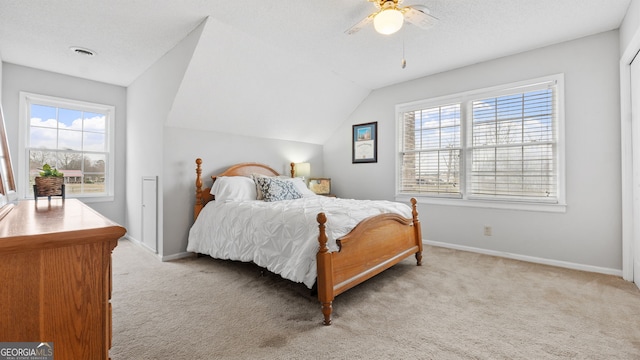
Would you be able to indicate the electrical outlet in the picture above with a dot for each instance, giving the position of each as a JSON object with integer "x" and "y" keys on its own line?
{"x": 487, "y": 230}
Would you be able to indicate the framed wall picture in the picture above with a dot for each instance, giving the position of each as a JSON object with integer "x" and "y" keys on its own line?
{"x": 320, "y": 186}
{"x": 365, "y": 143}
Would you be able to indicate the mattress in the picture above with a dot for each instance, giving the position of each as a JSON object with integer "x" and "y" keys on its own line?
{"x": 281, "y": 236}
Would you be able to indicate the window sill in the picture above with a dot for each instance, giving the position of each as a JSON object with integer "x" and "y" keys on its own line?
{"x": 84, "y": 199}
{"x": 94, "y": 199}
{"x": 505, "y": 205}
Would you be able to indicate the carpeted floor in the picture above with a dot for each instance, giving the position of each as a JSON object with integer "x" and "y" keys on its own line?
{"x": 458, "y": 305}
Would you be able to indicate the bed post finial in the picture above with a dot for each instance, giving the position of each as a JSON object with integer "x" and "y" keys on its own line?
{"x": 293, "y": 169}
{"x": 414, "y": 210}
{"x": 417, "y": 229}
{"x": 198, "y": 181}
{"x": 322, "y": 238}
{"x": 198, "y": 187}
{"x": 325, "y": 272}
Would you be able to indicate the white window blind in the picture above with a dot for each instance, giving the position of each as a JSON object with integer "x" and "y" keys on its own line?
{"x": 497, "y": 144}
{"x": 431, "y": 153}
{"x": 513, "y": 146}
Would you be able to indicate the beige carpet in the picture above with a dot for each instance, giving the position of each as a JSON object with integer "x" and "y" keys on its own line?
{"x": 458, "y": 305}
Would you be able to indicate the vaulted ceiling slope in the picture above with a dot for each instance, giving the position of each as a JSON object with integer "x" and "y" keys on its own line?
{"x": 242, "y": 85}
{"x": 282, "y": 69}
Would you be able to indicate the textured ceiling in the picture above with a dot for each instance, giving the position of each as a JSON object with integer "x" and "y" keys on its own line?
{"x": 294, "y": 53}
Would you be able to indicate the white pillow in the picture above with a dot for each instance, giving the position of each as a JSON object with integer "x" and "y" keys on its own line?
{"x": 234, "y": 188}
{"x": 302, "y": 187}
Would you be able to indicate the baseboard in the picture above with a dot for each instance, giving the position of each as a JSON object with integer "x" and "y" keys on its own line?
{"x": 177, "y": 256}
{"x": 142, "y": 245}
{"x": 532, "y": 259}
{"x": 133, "y": 240}
{"x": 171, "y": 257}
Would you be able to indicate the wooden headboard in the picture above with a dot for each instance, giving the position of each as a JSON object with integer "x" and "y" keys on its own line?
{"x": 203, "y": 196}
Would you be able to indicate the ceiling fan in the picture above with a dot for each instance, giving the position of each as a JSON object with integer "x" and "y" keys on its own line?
{"x": 390, "y": 16}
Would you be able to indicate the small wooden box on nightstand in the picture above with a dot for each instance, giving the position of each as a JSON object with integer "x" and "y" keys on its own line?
{"x": 320, "y": 186}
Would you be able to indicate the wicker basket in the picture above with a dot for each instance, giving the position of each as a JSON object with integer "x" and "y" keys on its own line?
{"x": 49, "y": 186}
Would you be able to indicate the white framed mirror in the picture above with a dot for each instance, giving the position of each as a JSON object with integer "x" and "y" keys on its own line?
{"x": 8, "y": 191}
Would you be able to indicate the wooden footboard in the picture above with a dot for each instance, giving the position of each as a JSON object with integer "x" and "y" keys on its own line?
{"x": 376, "y": 244}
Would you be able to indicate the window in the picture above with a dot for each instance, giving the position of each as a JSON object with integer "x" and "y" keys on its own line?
{"x": 73, "y": 136}
{"x": 498, "y": 147}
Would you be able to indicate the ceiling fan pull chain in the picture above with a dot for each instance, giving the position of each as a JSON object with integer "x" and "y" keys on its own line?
{"x": 404, "y": 61}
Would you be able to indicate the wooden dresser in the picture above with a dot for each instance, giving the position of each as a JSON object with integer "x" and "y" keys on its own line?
{"x": 55, "y": 277}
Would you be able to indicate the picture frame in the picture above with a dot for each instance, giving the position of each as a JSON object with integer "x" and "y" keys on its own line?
{"x": 320, "y": 186}
{"x": 364, "y": 143}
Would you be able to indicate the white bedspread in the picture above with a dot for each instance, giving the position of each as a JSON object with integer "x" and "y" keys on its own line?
{"x": 281, "y": 236}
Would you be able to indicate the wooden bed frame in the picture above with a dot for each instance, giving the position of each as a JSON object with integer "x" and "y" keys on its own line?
{"x": 374, "y": 245}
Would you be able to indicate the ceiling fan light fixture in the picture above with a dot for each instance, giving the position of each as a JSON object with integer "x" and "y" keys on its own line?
{"x": 388, "y": 21}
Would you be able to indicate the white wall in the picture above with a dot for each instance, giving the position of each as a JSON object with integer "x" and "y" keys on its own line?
{"x": 629, "y": 45}
{"x": 19, "y": 78}
{"x": 149, "y": 100}
{"x": 588, "y": 235}
{"x": 1, "y": 78}
{"x": 218, "y": 151}
{"x": 169, "y": 153}
{"x": 629, "y": 25}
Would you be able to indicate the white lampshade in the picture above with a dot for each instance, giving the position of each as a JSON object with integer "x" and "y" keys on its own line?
{"x": 388, "y": 21}
{"x": 302, "y": 170}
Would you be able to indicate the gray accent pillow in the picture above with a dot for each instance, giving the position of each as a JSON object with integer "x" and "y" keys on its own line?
{"x": 274, "y": 189}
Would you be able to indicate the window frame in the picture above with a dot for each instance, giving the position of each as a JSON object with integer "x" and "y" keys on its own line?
{"x": 465, "y": 99}
{"x": 26, "y": 99}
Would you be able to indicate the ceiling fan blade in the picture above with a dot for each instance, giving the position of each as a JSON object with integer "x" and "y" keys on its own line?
{"x": 364, "y": 22}
{"x": 419, "y": 17}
